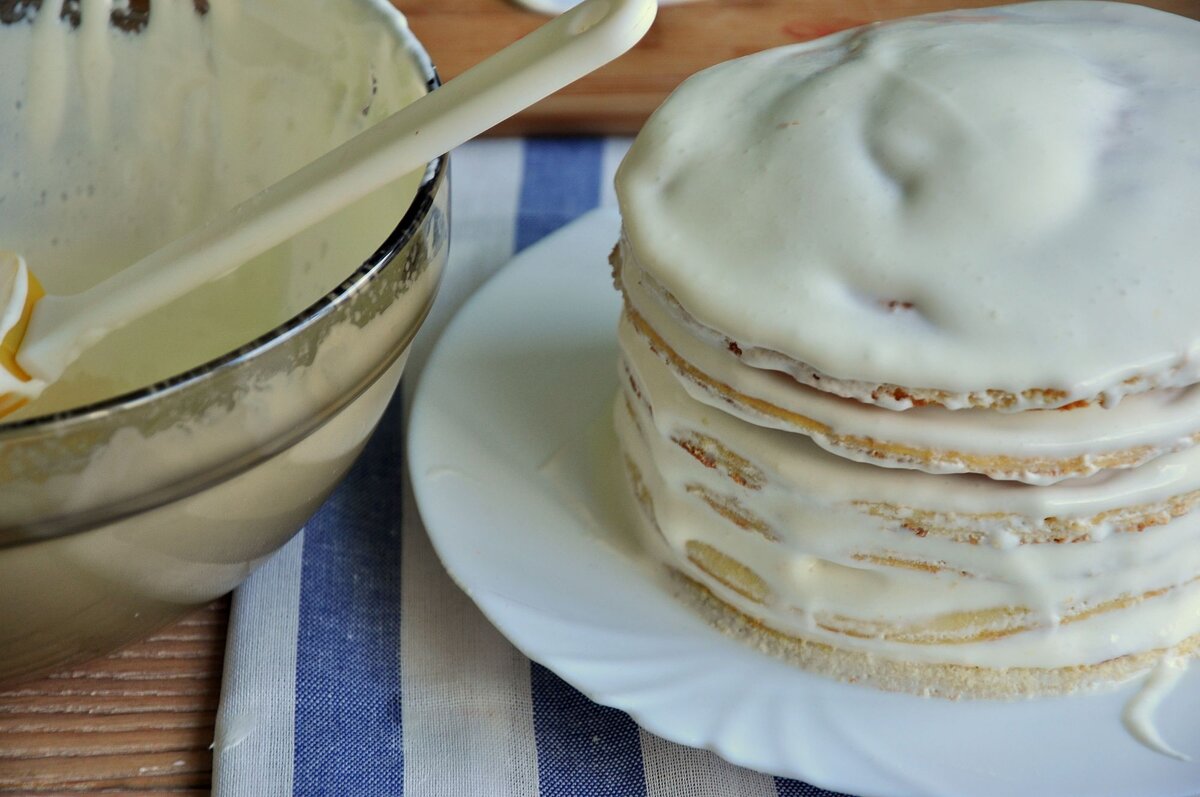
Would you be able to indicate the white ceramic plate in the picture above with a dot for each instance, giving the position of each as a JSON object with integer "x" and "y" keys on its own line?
{"x": 513, "y": 475}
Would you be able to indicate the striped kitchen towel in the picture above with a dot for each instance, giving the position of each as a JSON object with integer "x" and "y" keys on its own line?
{"x": 355, "y": 666}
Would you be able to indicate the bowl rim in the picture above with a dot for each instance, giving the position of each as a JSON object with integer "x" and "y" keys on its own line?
{"x": 414, "y": 215}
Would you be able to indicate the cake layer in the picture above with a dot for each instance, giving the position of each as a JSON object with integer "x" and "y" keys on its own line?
{"x": 963, "y": 508}
{"x": 952, "y": 681}
{"x": 989, "y": 208}
{"x": 775, "y": 527}
{"x": 1036, "y": 447}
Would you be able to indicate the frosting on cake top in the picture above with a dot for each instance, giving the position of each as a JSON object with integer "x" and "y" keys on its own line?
{"x": 1004, "y": 198}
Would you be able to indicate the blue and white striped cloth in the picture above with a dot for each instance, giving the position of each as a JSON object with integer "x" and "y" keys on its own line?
{"x": 355, "y": 666}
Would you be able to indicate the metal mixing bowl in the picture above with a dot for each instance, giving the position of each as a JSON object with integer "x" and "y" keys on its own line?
{"x": 116, "y": 518}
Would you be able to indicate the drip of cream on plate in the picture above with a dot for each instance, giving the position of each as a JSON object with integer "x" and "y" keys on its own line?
{"x": 1138, "y": 716}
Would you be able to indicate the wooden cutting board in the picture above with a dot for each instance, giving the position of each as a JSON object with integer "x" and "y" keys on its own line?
{"x": 684, "y": 39}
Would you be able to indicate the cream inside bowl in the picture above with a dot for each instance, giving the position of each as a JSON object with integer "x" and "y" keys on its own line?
{"x": 183, "y": 449}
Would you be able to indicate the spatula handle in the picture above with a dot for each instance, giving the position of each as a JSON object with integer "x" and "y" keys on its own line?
{"x": 558, "y": 53}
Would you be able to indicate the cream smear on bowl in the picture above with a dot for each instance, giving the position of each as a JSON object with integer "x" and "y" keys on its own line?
{"x": 114, "y": 522}
{"x": 117, "y": 142}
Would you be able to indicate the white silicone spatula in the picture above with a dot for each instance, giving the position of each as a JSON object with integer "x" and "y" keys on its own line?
{"x": 41, "y": 335}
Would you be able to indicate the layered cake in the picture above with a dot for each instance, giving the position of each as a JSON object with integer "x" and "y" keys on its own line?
{"x": 910, "y": 353}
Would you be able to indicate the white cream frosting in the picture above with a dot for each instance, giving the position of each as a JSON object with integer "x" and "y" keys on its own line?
{"x": 811, "y": 474}
{"x": 1138, "y": 715}
{"x": 815, "y": 567}
{"x": 1162, "y": 420}
{"x": 116, "y": 143}
{"x": 1022, "y": 180}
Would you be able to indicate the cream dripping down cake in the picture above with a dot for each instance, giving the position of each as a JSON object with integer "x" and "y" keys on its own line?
{"x": 910, "y": 349}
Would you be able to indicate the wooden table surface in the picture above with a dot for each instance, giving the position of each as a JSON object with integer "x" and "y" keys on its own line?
{"x": 686, "y": 37}
{"x": 137, "y": 722}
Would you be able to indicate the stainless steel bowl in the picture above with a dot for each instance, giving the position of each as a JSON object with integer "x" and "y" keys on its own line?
{"x": 116, "y": 518}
